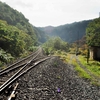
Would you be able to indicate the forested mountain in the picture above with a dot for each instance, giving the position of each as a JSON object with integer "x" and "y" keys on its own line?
{"x": 41, "y": 36}
{"x": 69, "y": 32}
{"x": 13, "y": 17}
{"x": 17, "y": 35}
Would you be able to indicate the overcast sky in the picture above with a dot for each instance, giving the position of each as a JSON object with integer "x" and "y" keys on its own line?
{"x": 56, "y": 12}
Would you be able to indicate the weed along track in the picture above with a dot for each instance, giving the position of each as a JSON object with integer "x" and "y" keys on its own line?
{"x": 97, "y": 79}
{"x": 85, "y": 71}
{"x": 52, "y": 80}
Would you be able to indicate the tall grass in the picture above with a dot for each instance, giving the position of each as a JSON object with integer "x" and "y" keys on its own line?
{"x": 92, "y": 66}
{"x": 81, "y": 72}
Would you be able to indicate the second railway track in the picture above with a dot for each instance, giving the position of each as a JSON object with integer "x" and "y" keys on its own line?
{"x": 10, "y": 70}
{"x": 9, "y": 75}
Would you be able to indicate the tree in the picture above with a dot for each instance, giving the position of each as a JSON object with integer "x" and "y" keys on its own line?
{"x": 93, "y": 33}
{"x": 55, "y": 44}
{"x": 13, "y": 40}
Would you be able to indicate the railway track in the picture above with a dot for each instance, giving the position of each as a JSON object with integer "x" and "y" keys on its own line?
{"x": 9, "y": 75}
{"x": 10, "y": 70}
{"x": 18, "y": 63}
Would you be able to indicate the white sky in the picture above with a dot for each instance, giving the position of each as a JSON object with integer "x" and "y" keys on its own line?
{"x": 56, "y": 12}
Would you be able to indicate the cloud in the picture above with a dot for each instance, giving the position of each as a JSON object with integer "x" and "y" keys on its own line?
{"x": 56, "y": 12}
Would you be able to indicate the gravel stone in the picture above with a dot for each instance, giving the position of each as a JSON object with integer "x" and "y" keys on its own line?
{"x": 55, "y": 80}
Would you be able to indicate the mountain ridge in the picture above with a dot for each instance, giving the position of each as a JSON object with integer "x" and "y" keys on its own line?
{"x": 68, "y": 32}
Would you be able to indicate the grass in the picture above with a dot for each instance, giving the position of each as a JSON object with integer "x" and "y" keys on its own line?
{"x": 81, "y": 72}
{"x": 92, "y": 66}
{"x": 55, "y": 64}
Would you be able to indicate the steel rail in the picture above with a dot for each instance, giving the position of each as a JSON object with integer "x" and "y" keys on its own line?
{"x": 6, "y": 71}
{"x": 19, "y": 71}
{"x": 15, "y": 78}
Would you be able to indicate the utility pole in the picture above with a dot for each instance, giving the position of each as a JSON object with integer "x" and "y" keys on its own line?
{"x": 77, "y": 48}
{"x": 88, "y": 55}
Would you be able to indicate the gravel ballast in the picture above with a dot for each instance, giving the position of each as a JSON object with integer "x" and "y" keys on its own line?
{"x": 55, "y": 80}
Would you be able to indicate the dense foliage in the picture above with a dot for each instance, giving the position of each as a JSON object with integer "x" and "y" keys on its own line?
{"x": 93, "y": 33}
{"x": 13, "y": 40}
{"x": 5, "y": 57}
{"x": 55, "y": 44}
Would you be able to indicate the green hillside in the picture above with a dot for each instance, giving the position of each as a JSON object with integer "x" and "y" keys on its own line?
{"x": 13, "y": 40}
{"x": 15, "y": 18}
